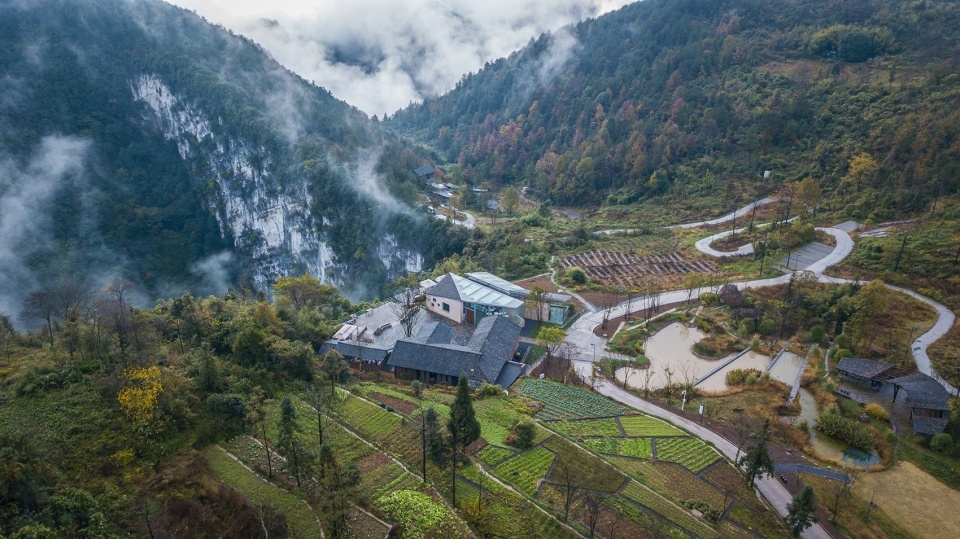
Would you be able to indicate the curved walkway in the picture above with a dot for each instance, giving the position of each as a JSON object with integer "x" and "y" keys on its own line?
{"x": 730, "y": 216}
{"x": 585, "y": 343}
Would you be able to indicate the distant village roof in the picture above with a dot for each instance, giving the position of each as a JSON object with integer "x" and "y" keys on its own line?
{"x": 423, "y": 171}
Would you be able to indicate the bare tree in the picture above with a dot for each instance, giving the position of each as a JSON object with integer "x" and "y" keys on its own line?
{"x": 613, "y": 523}
{"x": 593, "y": 503}
{"x": 647, "y": 378}
{"x": 39, "y": 306}
{"x": 569, "y": 483}
{"x": 841, "y": 489}
{"x": 406, "y": 309}
{"x": 631, "y": 294}
{"x": 753, "y": 214}
{"x": 538, "y": 300}
{"x": 743, "y": 425}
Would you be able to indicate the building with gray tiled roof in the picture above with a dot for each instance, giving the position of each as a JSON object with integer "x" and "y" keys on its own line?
{"x": 432, "y": 355}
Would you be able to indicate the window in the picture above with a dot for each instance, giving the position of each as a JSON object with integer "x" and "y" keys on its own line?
{"x": 446, "y": 307}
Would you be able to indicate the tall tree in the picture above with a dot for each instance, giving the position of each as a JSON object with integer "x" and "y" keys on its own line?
{"x": 463, "y": 426}
{"x": 334, "y": 368}
{"x": 257, "y": 416}
{"x": 537, "y": 299}
{"x": 338, "y": 492}
{"x": 800, "y": 511}
{"x": 39, "y": 306}
{"x": 406, "y": 309}
{"x": 510, "y": 200}
{"x": 570, "y": 483}
{"x": 757, "y": 459}
{"x": 288, "y": 436}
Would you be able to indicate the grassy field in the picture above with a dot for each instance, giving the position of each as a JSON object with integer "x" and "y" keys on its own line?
{"x": 301, "y": 520}
{"x": 914, "y": 500}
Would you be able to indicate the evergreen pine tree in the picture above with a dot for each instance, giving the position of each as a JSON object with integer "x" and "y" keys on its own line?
{"x": 463, "y": 426}
{"x": 288, "y": 429}
{"x": 800, "y": 511}
{"x": 757, "y": 459}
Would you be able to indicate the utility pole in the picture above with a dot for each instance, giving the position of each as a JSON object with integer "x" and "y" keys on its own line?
{"x": 902, "y": 246}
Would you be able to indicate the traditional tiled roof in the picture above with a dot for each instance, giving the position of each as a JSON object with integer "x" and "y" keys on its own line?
{"x": 929, "y": 426}
{"x": 483, "y": 357}
{"x": 423, "y": 171}
{"x": 865, "y": 368}
{"x": 445, "y": 288}
{"x": 924, "y": 391}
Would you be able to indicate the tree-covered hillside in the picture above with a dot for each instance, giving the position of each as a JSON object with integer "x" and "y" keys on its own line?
{"x": 137, "y": 139}
{"x": 696, "y": 98}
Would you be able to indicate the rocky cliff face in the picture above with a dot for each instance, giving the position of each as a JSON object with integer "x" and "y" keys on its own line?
{"x": 268, "y": 219}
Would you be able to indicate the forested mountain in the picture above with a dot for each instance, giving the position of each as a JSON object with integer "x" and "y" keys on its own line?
{"x": 137, "y": 140}
{"x": 694, "y": 99}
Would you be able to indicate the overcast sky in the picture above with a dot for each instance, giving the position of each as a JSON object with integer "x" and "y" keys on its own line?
{"x": 380, "y": 55}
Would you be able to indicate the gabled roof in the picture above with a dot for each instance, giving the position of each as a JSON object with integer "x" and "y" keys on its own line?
{"x": 865, "y": 368}
{"x": 501, "y": 285}
{"x": 924, "y": 391}
{"x": 929, "y": 426}
{"x": 445, "y": 288}
{"x": 511, "y": 371}
{"x": 483, "y": 358}
{"x": 423, "y": 171}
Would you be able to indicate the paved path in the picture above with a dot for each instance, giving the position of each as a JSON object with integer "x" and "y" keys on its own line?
{"x": 775, "y": 493}
{"x": 704, "y": 245}
{"x": 730, "y": 216}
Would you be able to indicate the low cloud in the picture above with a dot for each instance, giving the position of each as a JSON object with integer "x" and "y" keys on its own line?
{"x": 214, "y": 271}
{"x": 25, "y": 195}
{"x": 380, "y": 55}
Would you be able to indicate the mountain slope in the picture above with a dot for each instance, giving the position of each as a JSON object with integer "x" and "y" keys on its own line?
{"x": 695, "y": 99}
{"x": 138, "y": 140}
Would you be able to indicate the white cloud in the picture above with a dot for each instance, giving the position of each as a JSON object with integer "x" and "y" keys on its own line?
{"x": 380, "y": 55}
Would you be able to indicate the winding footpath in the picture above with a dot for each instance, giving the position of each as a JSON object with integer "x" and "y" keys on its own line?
{"x": 588, "y": 347}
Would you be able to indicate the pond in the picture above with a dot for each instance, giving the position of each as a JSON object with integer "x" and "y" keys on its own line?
{"x": 828, "y": 447}
{"x": 671, "y": 349}
{"x": 718, "y": 380}
{"x": 788, "y": 367}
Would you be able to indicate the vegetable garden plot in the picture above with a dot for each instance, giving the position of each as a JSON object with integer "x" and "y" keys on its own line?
{"x": 642, "y": 425}
{"x": 690, "y": 453}
{"x": 588, "y": 427}
{"x": 679, "y": 516}
{"x": 615, "y": 268}
{"x": 671, "y": 481}
{"x": 526, "y": 470}
{"x": 593, "y": 472}
{"x": 492, "y": 455}
{"x": 640, "y": 448}
{"x": 568, "y": 402}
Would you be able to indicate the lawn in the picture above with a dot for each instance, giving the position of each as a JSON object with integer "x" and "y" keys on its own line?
{"x": 642, "y": 425}
{"x": 526, "y": 470}
{"x": 300, "y": 518}
{"x": 568, "y": 402}
{"x": 690, "y": 453}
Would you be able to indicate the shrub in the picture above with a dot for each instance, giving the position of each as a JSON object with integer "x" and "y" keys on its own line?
{"x": 738, "y": 377}
{"x": 418, "y": 515}
{"x": 848, "y": 430}
{"x": 577, "y": 275}
{"x": 417, "y": 388}
{"x": 876, "y": 411}
{"x": 525, "y": 431}
{"x": 842, "y": 353}
{"x": 942, "y": 443}
{"x": 842, "y": 341}
{"x": 767, "y": 327}
{"x": 487, "y": 390}
{"x": 709, "y": 299}
{"x": 817, "y": 334}
{"x": 803, "y": 425}
{"x": 747, "y": 326}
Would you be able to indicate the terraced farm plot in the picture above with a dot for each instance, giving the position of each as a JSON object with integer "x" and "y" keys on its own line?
{"x": 641, "y": 448}
{"x": 728, "y": 478}
{"x": 621, "y": 269}
{"x": 527, "y": 469}
{"x": 388, "y": 477}
{"x": 690, "y": 453}
{"x": 642, "y": 425}
{"x": 300, "y": 518}
{"x": 671, "y": 481}
{"x": 344, "y": 443}
{"x": 588, "y": 427}
{"x": 492, "y": 455}
{"x": 679, "y": 516}
{"x": 568, "y": 402}
{"x": 593, "y": 472}
{"x": 372, "y": 421}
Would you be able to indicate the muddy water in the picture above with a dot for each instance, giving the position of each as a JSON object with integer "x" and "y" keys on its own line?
{"x": 788, "y": 367}
{"x": 671, "y": 349}
{"x": 750, "y": 360}
{"x": 829, "y": 447}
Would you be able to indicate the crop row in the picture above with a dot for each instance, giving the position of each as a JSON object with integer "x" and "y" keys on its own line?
{"x": 642, "y": 425}
{"x": 372, "y": 421}
{"x": 492, "y": 455}
{"x": 387, "y": 478}
{"x": 647, "y": 498}
{"x": 587, "y": 427}
{"x": 671, "y": 481}
{"x": 592, "y": 472}
{"x": 568, "y": 402}
{"x": 345, "y": 444}
{"x": 690, "y": 453}
{"x": 630, "y": 447}
{"x": 527, "y": 469}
